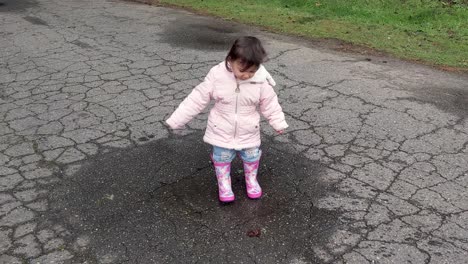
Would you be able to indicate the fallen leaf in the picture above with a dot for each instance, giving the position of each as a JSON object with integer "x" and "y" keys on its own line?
{"x": 254, "y": 233}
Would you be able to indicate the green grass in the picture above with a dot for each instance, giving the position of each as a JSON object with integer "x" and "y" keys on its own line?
{"x": 430, "y": 31}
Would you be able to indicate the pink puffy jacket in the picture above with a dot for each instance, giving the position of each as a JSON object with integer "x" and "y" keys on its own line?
{"x": 233, "y": 122}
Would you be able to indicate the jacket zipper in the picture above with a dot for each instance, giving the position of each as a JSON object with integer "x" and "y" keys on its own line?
{"x": 235, "y": 116}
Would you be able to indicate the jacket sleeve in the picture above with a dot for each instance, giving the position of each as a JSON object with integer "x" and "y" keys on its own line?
{"x": 271, "y": 109}
{"x": 193, "y": 104}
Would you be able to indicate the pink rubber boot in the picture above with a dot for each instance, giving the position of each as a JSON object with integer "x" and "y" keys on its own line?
{"x": 254, "y": 191}
{"x": 223, "y": 174}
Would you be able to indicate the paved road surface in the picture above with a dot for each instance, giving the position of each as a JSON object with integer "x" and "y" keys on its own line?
{"x": 374, "y": 168}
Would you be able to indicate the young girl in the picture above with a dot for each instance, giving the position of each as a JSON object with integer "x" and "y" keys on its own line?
{"x": 240, "y": 86}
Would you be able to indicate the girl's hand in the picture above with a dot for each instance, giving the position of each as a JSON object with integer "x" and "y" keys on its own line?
{"x": 177, "y": 132}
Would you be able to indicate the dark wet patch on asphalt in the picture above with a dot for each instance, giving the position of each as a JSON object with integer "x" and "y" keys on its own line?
{"x": 35, "y": 21}
{"x": 81, "y": 44}
{"x": 16, "y": 5}
{"x": 447, "y": 99}
{"x": 452, "y": 100}
{"x": 158, "y": 203}
{"x": 201, "y": 35}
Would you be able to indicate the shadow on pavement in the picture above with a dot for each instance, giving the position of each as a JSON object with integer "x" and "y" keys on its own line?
{"x": 158, "y": 203}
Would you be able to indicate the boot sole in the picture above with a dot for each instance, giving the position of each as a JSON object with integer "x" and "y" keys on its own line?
{"x": 255, "y": 196}
{"x": 227, "y": 200}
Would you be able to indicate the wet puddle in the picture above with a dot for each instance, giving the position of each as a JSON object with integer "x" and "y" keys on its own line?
{"x": 16, "y": 5}
{"x": 158, "y": 203}
{"x": 201, "y": 35}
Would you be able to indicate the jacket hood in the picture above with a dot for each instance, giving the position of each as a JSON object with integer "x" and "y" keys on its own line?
{"x": 260, "y": 76}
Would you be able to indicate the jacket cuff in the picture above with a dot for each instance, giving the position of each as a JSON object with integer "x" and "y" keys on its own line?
{"x": 281, "y": 126}
{"x": 172, "y": 124}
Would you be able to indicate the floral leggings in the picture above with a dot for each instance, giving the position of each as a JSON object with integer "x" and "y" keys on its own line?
{"x": 227, "y": 155}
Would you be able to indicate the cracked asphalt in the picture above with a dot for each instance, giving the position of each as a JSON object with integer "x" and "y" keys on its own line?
{"x": 373, "y": 169}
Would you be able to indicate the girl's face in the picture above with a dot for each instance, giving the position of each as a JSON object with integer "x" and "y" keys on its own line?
{"x": 241, "y": 73}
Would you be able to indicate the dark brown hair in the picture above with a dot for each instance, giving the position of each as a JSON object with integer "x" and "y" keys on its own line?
{"x": 248, "y": 50}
